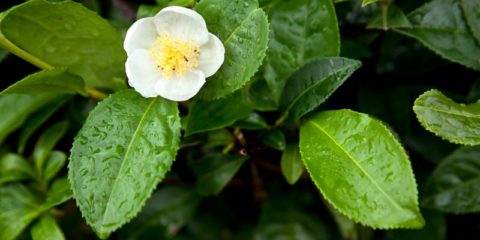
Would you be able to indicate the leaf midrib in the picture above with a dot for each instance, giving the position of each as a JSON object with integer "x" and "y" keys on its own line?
{"x": 240, "y": 25}
{"x": 127, "y": 152}
{"x": 394, "y": 203}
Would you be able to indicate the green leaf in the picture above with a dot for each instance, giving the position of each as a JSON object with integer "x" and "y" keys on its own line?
{"x": 243, "y": 28}
{"x": 215, "y": 171}
{"x": 313, "y": 84}
{"x": 54, "y": 163}
{"x": 471, "y": 11}
{"x": 211, "y": 115}
{"x": 18, "y": 208}
{"x": 47, "y": 142}
{"x": 457, "y": 123}
{"x": 346, "y": 227}
{"x": 48, "y": 81}
{"x": 276, "y": 140}
{"x": 65, "y": 34}
{"x": 439, "y": 25}
{"x": 254, "y": 121}
{"x": 13, "y": 168}
{"x": 291, "y": 164}
{"x": 46, "y": 228}
{"x": 36, "y": 120}
{"x": 454, "y": 185}
{"x": 361, "y": 169}
{"x": 59, "y": 192}
{"x": 390, "y": 16}
{"x": 123, "y": 150}
{"x": 302, "y": 30}
{"x": 19, "y": 107}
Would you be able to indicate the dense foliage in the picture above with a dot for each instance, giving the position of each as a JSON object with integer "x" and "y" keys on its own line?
{"x": 328, "y": 120}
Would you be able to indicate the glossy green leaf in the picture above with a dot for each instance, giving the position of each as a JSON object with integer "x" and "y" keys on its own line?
{"x": 454, "y": 186}
{"x": 59, "y": 192}
{"x": 301, "y": 31}
{"x": 220, "y": 137}
{"x": 47, "y": 142}
{"x": 361, "y": 169}
{"x": 36, "y": 120}
{"x": 276, "y": 140}
{"x": 48, "y": 81}
{"x": 313, "y": 84}
{"x": 215, "y": 171}
{"x": 53, "y": 164}
{"x": 471, "y": 11}
{"x": 19, "y": 107}
{"x": 65, "y": 34}
{"x": 291, "y": 164}
{"x": 243, "y": 28}
{"x": 123, "y": 150}
{"x": 46, "y": 228}
{"x": 211, "y": 115}
{"x": 254, "y": 121}
{"x": 440, "y": 26}
{"x": 457, "y": 123}
{"x": 13, "y": 168}
{"x": 18, "y": 208}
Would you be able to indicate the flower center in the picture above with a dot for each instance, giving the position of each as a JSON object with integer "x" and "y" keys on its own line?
{"x": 174, "y": 56}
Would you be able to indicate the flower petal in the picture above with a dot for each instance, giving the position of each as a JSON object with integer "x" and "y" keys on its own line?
{"x": 211, "y": 56}
{"x": 142, "y": 72}
{"x": 140, "y": 35}
{"x": 181, "y": 88}
{"x": 182, "y": 23}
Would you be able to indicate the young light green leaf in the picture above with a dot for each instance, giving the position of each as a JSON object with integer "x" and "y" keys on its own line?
{"x": 19, "y": 107}
{"x": 18, "y": 208}
{"x": 123, "y": 150}
{"x": 36, "y": 120}
{"x": 440, "y": 26}
{"x": 13, "y": 168}
{"x": 276, "y": 140}
{"x": 65, "y": 34}
{"x": 314, "y": 83}
{"x": 215, "y": 171}
{"x": 47, "y": 142}
{"x": 243, "y": 28}
{"x": 457, "y": 123}
{"x": 361, "y": 169}
{"x": 54, "y": 163}
{"x": 59, "y": 192}
{"x": 211, "y": 115}
{"x": 454, "y": 185}
{"x": 302, "y": 30}
{"x": 48, "y": 81}
{"x": 291, "y": 164}
{"x": 254, "y": 121}
{"x": 46, "y": 228}
{"x": 471, "y": 11}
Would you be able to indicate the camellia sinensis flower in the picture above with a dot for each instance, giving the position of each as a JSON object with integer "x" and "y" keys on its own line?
{"x": 171, "y": 54}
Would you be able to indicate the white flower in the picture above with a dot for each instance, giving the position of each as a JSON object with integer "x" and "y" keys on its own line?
{"x": 171, "y": 54}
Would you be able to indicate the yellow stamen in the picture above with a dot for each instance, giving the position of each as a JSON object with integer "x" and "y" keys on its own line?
{"x": 174, "y": 56}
